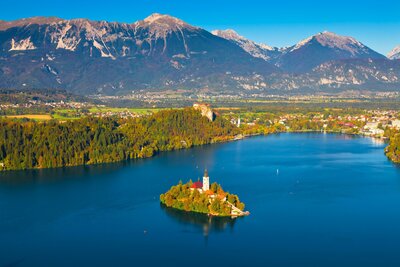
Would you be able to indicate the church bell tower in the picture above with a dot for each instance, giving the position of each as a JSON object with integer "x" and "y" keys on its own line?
{"x": 206, "y": 181}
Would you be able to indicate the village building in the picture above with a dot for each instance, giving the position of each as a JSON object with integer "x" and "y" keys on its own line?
{"x": 396, "y": 124}
{"x": 372, "y": 129}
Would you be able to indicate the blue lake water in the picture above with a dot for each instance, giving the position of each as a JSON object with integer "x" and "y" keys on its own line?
{"x": 335, "y": 201}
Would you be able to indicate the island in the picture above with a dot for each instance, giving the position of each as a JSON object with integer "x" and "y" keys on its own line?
{"x": 201, "y": 197}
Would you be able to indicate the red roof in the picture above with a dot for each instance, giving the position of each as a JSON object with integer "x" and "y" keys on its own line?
{"x": 197, "y": 185}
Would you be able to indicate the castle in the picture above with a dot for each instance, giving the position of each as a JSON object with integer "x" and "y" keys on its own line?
{"x": 205, "y": 110}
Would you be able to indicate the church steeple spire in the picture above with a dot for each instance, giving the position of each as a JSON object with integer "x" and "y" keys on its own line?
{"x": 206, "y": 181}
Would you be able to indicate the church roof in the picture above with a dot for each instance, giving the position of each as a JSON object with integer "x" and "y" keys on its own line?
{"x": 205, "y": 173}
{"x": 197, "y": 185}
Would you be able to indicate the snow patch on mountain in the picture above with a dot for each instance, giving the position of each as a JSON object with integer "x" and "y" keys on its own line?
{"x": 22, "y": 45}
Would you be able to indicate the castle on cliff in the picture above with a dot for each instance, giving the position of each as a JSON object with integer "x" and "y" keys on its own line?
{"x": 205, "y": 110}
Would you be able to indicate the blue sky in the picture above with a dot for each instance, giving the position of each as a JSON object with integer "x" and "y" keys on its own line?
{"x": 276, "y": 23}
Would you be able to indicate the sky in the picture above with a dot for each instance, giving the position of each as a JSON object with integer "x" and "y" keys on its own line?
{"x": 275, "y": 23}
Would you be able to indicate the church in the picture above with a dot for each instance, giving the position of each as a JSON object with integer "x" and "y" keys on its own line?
{"x": 202, "y": 186}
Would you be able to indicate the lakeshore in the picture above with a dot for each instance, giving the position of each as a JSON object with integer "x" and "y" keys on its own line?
{"x": 92, "y": 140}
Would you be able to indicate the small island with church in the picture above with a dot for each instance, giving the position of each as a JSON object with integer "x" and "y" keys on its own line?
{"x": 201, "y": 197}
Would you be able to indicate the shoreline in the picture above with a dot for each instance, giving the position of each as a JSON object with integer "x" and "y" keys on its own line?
{"x": 120, "y": 161}
{"x": 232, "y": 139}
{"x": 232, "y": 216}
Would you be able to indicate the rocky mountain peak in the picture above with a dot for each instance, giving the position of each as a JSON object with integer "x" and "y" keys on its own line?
{"x": 159, "y": 25}
{"x": 323, "y": 47}
{"x": 255, "y": 49}
{"x": 333, "y": 40}
{"x": 4, "y": 25}
{"x": 395, "y": 53}
{"x": 228, "y": 34}
{"x": 162, "y": 21}
{"x": 343, "y": 44}
{"x": 232, "y": 35}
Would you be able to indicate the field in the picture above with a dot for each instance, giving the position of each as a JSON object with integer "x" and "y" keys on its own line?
{"x": 39, "y": 117}
{"x": 116, "y": 110}
{"x": 73, "y": 114}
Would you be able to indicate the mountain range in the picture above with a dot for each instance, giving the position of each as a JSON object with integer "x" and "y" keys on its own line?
{"x": 163, "y": 52}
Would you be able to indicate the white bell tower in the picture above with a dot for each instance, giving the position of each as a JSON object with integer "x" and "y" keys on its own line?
{"x": 206, "y": 181}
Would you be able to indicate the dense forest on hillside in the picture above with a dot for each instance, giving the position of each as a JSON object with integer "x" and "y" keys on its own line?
{"x": 393, "y": 149}
{"x": 90, "y": 140}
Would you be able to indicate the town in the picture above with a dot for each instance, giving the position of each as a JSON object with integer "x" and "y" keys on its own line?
{"x": 370, "y": 123}
{"x": 363, "y": 121}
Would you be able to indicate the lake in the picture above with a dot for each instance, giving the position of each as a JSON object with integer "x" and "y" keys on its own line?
{"x": 315, "y": 200}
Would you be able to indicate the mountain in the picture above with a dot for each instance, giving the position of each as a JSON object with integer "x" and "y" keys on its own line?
{"x": 263, "y": 51}
{"x": 395, "y": 53}
{"x": 353, "y": 74}
{"x": 108, "y": 57}
{"x": 321, "y": 48}
{"x": 308, "y": 54}
{"x": 366, "y": 73}
{"x": 4, "y": 25}
{"x": 163, "y": 52}
{"x": 335, "y": 76}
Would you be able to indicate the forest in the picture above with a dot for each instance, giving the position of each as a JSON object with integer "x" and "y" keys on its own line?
{"x": 393, "y": 149}
{"x": 27, "y": 144}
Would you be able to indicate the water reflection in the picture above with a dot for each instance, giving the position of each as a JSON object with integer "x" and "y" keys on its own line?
{"x": 43, "y": 176}
{"x": 377, "y": 141}
{"x": 207, "y": 224}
